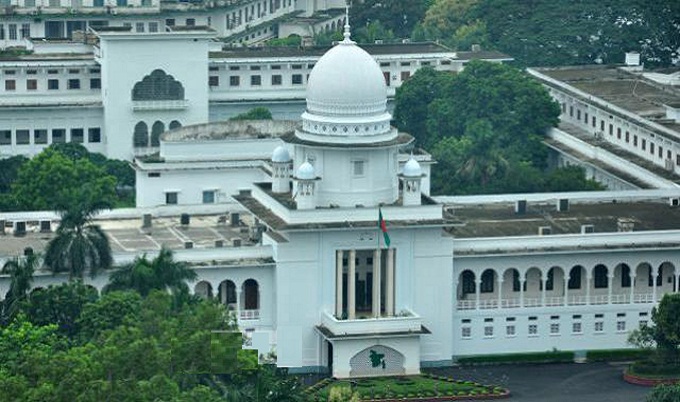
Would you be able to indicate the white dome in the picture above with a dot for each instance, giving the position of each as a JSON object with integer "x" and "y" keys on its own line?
{"x": 306, "y": 172}
{"x": 346, "y": 81}
{"x": 412, "y": 169}
{"x": 280, "y": 155}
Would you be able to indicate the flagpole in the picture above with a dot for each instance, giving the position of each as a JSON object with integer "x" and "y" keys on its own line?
{"x": 379, "y": 228}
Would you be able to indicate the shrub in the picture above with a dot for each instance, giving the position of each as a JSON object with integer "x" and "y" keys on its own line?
{"x": 538, "y": 357}
{"x": 616, "y": 354}
{"x": 650, "y": 368}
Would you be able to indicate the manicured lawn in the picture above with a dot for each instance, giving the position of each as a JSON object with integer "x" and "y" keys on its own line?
{"x": 419, "y": 386}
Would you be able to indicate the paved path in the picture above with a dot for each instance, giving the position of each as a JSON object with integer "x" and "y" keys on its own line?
{"x": 588, "y": 382}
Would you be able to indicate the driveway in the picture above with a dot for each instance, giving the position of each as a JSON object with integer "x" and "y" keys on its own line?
{"x": 587, "y": 382}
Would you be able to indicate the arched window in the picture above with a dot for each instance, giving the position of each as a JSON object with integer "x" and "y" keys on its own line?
{"x": 156, "y": 130}
{"x": 158, "y": 86}
{"x": 487, "y": 281}
{"x": 203, "y": 290}
{"x": 141, "y": 135}
{"x": 174, "y": 124}
{"x": 600, "y": 277}
{"x": 575, "y": 277}
{"x": 625, "y": 275}
{"x": 468, "y": 282}
{"x": 227, "y": 293}
{"x": 251, "y": 295}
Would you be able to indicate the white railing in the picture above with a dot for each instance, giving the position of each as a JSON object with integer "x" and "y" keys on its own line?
{"x": 160, "y": 105}
{"x": 403, "y": 323}
{"x": 249, "y": 314}
{"x": 573, "y": 300}
{"x": 144, "y": 151}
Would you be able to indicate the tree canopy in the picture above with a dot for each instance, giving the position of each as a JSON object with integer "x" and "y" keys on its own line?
{"x": 258, "y": 113}
{"x": 485, "y": 126}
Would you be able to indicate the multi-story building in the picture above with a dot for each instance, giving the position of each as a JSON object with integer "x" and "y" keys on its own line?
{"x": 333, "y": 249}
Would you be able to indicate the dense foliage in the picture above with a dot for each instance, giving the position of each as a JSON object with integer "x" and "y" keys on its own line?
{"x": 258, "y": 113}
{"x": 62, "y": 177}
{"x": 67, "y": 344}
{"x": 485, "y": 126}
{"x": 663, "y": 338}
{"x": 559, "y": 33}
{"x": 665, "y": 393}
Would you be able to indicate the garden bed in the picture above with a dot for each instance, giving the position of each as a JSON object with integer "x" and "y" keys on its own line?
{"x": 424, "y": 387}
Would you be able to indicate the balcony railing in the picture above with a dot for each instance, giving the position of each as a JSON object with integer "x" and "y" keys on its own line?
{"x": 573, "y": 300}
{"x": 410, "y": 322}
{"x": 249, "y": 315}
{"x": 160, "y": 105}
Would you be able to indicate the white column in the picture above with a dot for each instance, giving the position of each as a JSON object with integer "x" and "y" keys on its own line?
{"x": 389, "y": 283}
{"x": 238, "y": 303}
{"x": 521, "y": 291}
{"x": 543, "y": 282}
{"x": 500, "y": 290}
{"x": 478, "y": 284}
{"x": 610, "y": 282}
{"x": 566, "y": 290}
{"x": 632, "y": 287}
{"x": 338, "y": 284}
{"x": 376, "y": 283}
{"x": 676, "y": 285}
{"x": 655, "y": 273}
{"x": 351, "y": 287}
{"x": 587, "y": 287}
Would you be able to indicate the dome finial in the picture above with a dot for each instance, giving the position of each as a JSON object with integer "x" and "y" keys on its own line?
{"x": 347, "y": 32}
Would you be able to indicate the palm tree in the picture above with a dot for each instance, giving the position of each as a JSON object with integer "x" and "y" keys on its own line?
{"x": 21, "y": 275}
{"x": 161, "y": 273}
{"x": 79, "y": 245}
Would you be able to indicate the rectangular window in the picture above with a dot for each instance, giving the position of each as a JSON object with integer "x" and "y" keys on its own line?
{"x": 554, "y": 328}
{"x": 466, "y": 332}
{"x": 214, "y": 81}
{"x": 644, "y": 144}
{"x": 10, "y": 85}
{"x": 234, "y": 68}
{"x": 510, "y": 330}
{"x": 620, "y": 326}
{"x": 77, "y": 135}
{"x": 25, "y": 31}
{"x": 277, "y": 79}
{"x": 139, "y": 27}
{"x": 58, "y": 135}
{"x": 488, "y": 331}
{"x": 255, "y": 80}
{"x": 599, "y": 326}
{"x": 95, "y": 83}
{"x": 576, "y": 328}
{"x": 660, "y": 152}
{"x": 611, "y": 129}
{"x": 594, "y": 120}
{"x": 635, "y": 140}
{"x": 153, "y": 27}
{"x": 94, "y": 135}
{"x": 358, "y": 168}
{"x": 585, "y": 118}
{"x": 209, "y": 197}
{"x": 643, "y": 323}
{"x": 52, "y": 84}
{"x": 405, "y": 75}
{"x": 73, "y": 84}
{"x": 31, "y": 85}
{"x": 23, "y": 137}
{"x": 627, "y": 137}
{"x": 31, "y": 72}
{"x": 190, "y": 22}
{"x": 171, "y": 198}
{"x": 296, "y": 66}
{"x": 255, "y": 68}
{"x": 73, "y": 71}
{"x": 296, "y": 79}
{"x": 170, "y": 22}
{"x": 602, "y": 126}
{"x": 5, "y": 137}
{"x": 618, "y": 133}
{"x": 2, "y": 31}
{"x": 234, "y": 81}
{"x": 40, "y": 136}
{"x": 154, "y": 174}
{"x": 276, "y": 67}
{"x": 533, "y": 329}
{"x": 651, "y": 148}
{"x": 12, "y": 31}
{"x": 52, "y": 71}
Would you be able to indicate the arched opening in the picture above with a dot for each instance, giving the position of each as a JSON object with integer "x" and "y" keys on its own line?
{"x": 158, "y": 86}
{"x": 488, "y": 279}
{"x": 467, "y": 283}
{"x": 667, "y": 275}
{"x": 140, "y": 138}
{"x": 600, "y": 280}
{"x": 251, "y": 295}
{"x": 623, "y": 273}
{"x": 203, "y": 289}
{"x": 156, "y": 131}
{"x": 576, "y": 275}
{"x": 174, "y": 124}
{"x": 227, "y": 294}
{"x": 555, "y": 280}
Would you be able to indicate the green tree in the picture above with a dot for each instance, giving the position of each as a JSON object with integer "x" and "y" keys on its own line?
{"x": 144, "y": 275}
{"x": 21, "y": 272}
{"x": 258, "y": 113}
{"x": 9, "y": 170}
{"x": 372, "y": 32}
{"x": 445, "y": 17}
{"x": 59, "y": 305}
{"x": 667, "y": 328}
{"x": 52, "y": 181}
{"x": 111, "y": 311}
{"x": 398, "y": 16}
{"x": 665, "y": 393}
{"x": 78, "y": 246}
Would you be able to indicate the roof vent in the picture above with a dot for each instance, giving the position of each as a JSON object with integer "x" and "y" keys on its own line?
{"x": 476, "y": 47}
{"x": 585, "y": 229}
{"x": 521, "y": 207}
{"x": 625, "y": 224}
{"x": 632, "y": 59}
{"x": 563, "y": 205}
{"x": 674, "y": 202}
{"x": 544, "y": 230}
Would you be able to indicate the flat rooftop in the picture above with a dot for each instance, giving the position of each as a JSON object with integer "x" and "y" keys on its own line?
{"x": 500, "y": 219}
{"x": 128, "y": 236}
{"x": 232, "y": 129}
{"x": 624, "y": 89}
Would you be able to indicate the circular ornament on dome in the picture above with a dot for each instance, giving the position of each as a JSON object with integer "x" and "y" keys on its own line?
{"x": 412, "y": 168}
{"x": 306, "y": 172}
{"x": 280, "y": 155}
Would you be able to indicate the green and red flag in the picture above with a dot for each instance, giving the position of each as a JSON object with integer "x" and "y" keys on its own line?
{"x": 383, "y": 227}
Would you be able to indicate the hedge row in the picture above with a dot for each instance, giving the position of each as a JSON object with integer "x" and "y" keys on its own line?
{"x": 616, "y": 354}
{"x": 649, "y": 368}
{"x": 536, "y": 357}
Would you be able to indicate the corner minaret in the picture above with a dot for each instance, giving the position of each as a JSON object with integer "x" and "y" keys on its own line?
{"x": 305, "y": 194}
{"x": 281, "y": 170}
{"x": 411, "y": 176}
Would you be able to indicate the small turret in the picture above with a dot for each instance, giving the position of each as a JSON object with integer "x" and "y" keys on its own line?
{"x": 281, "y": 170}
{"x": 305, "y": 177}
{"x": 411, "y": 177}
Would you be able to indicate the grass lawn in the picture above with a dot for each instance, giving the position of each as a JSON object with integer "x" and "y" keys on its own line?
{"x": 424, "y": 385}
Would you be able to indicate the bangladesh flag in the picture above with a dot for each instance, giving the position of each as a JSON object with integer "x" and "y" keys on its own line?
{"x": 383, "y": 227}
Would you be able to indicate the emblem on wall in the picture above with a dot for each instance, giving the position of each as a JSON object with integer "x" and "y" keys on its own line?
{"x": 377, "y": 360}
